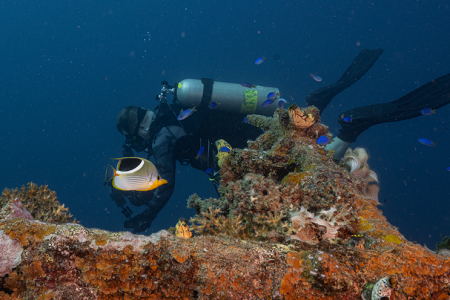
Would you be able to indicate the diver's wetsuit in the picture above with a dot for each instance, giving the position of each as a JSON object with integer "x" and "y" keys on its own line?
{"x": 433, "y": 95}
{"x": 170, "y": 143}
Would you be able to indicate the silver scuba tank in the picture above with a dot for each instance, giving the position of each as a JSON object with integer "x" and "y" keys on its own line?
{"x": 230, "y": 97}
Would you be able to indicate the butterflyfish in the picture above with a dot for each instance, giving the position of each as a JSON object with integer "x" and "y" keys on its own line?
{"x": 134, "y": 174}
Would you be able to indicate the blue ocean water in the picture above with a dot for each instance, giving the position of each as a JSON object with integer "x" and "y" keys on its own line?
{"x": 68, "y": 67}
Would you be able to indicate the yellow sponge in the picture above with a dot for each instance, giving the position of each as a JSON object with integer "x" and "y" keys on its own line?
{"x": 221, "y": 156}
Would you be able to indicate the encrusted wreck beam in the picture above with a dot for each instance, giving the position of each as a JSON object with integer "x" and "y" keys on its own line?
{"x": 48, "y": 261}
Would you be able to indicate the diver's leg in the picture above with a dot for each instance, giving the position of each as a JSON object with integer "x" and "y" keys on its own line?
{"x": 362, "y": 63}
{"x": 433, "y": 95}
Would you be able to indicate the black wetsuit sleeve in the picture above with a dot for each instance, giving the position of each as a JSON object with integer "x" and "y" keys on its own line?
{"x": 362, "y": 63}
{"x": 433, "y": 95}
{"x": 163, "y": 149}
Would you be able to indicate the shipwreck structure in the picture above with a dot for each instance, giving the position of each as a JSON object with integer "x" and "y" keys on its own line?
{"x": 291, "y": 223}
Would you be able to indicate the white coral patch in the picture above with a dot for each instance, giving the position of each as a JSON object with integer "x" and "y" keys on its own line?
{"x": 372, "y": 190}
{"x": 352, "y": 163}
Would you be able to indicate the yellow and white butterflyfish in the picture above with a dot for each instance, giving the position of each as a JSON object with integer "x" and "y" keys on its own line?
{"x": 134, "y": 174}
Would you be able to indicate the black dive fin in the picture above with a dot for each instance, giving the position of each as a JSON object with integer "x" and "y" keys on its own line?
{"x": 362, "y": 63}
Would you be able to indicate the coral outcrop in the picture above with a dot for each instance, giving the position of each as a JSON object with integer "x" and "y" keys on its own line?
{"x": 290, "y": 224}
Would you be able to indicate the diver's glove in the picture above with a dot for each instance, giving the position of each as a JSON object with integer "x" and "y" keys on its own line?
{"x": 140, "y": 223}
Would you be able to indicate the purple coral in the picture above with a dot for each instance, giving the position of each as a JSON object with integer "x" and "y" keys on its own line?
{"x": 15, "y": 209}
{"x": 10, "y": 254}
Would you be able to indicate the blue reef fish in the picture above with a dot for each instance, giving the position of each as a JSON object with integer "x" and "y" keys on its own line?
{"x": 224, "y": 149}
{"x": 245, "y": 120}
{"x": 200, "y": 152}
{"x": 348, "y": 119}
{"x": 209, "y": 171}
{"x": 448, "y": 169}
{"x": 247, "y": 85}
{"x": 316, "y": 77}
{"x": 214, "y": 105}
{"x": 426, "y": 142}
{"x": 272, "y": 95}
{"x": 427, "y": 111}
{"x": 323, "y": 140}
{"x": 281, "y": 102}
{"x": 185, "y": 113}
{"x": 260, "y": 60}
{"x": 267, "y": 102}
{"x": 134, "y": 174}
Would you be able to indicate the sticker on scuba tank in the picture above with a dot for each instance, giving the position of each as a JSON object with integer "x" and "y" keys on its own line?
{"x": 179, "y": 85}
{"x": 251, "y": 99}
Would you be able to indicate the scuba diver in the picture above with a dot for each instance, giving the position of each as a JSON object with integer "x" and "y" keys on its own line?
{"x": 190, "y": 136}
{"x": 171, "y": 134}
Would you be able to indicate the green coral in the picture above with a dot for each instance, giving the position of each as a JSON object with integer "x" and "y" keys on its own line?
{"x": 260, "y": 227}
{"x": 445, "y": 244}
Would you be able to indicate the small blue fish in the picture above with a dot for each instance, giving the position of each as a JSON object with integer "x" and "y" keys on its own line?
{"x": 448, "y": 169}
{"x": 316, "y": 77}
{"x": 260, "y": 60}
{"x": 185, "y": 113}
{"x": 267, "y": 102}
{"x": 248, "y": 85}
{"x": 426, "y": 142}
{"x": 281, "y": 102}
{"x": 200, "y": 152}
{"x": 427, "y": 111}
{"x": 245, "y": 120}
{"x": 323, "y": 140}
{"x": 214, "y": 105}
{"x": 272, "y": 95}
{"x": 348, "y": 119}
{"x": 224, "y": 149}
{"x": 209, "y": 171}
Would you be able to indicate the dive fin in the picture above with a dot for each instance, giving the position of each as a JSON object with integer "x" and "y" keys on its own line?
{"x": 362, "y": 63}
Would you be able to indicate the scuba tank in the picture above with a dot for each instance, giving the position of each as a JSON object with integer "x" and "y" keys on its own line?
{"x": 230, "y": 97}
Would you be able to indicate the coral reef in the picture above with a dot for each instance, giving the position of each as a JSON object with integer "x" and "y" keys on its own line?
{"x": 35, "y": 202}
{"x": 290, "y": 224}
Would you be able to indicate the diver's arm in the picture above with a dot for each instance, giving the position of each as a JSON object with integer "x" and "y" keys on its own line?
{"x": 163, "y": 150}
{"x": 339, "y": 146}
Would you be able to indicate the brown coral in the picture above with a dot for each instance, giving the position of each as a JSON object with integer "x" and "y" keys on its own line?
{"x": 298, "y": 118}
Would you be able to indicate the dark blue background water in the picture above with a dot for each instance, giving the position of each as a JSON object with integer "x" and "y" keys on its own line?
{"x": 67, "y": 68}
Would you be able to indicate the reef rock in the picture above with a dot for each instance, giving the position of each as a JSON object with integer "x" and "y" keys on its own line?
{"x": 290, "y": 224}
